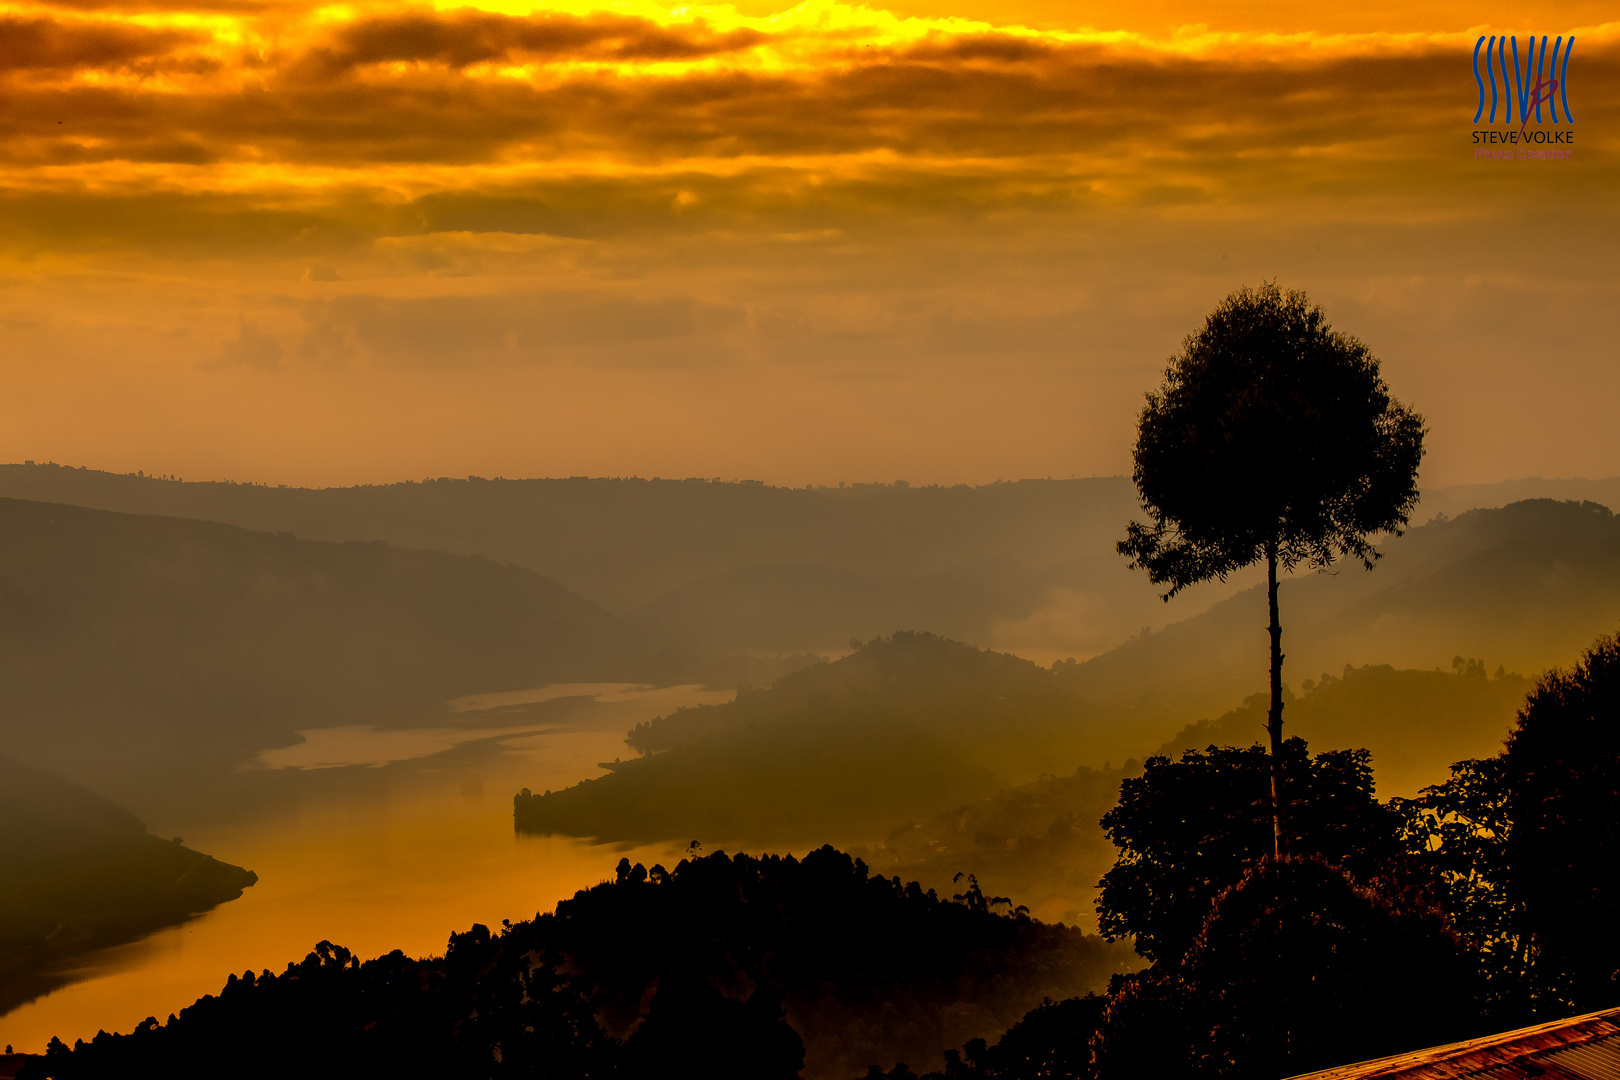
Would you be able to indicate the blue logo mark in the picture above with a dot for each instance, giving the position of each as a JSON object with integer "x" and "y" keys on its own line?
{"x": 1531, "y": 86}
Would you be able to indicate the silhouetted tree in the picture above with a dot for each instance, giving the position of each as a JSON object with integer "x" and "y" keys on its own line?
{"x": 1461, "y": 829}
{"x": 1563, "y": 850}
{"x": 1273, "y": 437}
{"x": 1191, "y": 828}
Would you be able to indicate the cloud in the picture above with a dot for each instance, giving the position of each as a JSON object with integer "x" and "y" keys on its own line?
{"x": 250, "y": 348}
{"x": 461, "y": 39}
{"x": 327, "y": 115}
{"x": 40, "y": 44}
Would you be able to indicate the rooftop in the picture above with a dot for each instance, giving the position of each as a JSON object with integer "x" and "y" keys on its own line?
{"x": 1581, "y": 1048}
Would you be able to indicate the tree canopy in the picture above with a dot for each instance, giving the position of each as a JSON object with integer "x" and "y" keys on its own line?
{"x": 1272, "y": 430}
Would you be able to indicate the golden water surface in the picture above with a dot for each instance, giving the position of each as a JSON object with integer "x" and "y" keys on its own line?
{"x": 370, "y": 866}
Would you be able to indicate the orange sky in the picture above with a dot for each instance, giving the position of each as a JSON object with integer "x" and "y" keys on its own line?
{"x": 941, "y": 241}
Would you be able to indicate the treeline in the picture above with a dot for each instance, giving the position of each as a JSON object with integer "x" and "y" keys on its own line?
{"x": 722, "y": 967}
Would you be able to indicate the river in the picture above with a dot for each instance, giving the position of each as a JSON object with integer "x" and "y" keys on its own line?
{"x": 385, "y": 840}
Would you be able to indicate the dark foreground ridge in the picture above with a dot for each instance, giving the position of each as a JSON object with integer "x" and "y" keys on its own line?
{"x": 723, "y": 967}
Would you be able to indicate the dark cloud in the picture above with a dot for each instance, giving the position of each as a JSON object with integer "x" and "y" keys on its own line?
{"x": 997, "y": 48}
{"x": 231, "y": 7}
{"x": 47, "y": 44}
{"x": 978, "y": 98}
{"x": 462, "y": 39}
{"x": 949, "y": 127}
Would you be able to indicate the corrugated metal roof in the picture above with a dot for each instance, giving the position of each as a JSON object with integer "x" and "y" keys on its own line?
{"x": 1580, "y": 1048}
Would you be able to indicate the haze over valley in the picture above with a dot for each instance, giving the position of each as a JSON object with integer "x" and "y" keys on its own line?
{"x": 834, "y": 541}
{"x": 239, "y": 663}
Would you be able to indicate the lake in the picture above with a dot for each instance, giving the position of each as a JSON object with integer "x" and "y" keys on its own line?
{"x": 381, "y": 839}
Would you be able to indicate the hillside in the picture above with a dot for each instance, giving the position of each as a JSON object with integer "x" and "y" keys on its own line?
{"x": 1026, "y": 567}
{"x": 1524, "y": 586}
{"x": 1416, "y": 723}
{"x": 914, "y": 727}
{"x": 139, "y": 652}
{"x": 732, "y": 566}
{"x": 905, "y": 726}
{"x": 78, "y": 872}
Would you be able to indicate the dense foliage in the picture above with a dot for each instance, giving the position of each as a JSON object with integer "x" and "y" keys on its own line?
{"x": 1297, "y": 967}
{"x": 1529, "y": 845}
{"x": 1187, "y": 830}
{"x": 1477, "y": 906}
{"x": 1563, "y": 766}
{"x": 729, "y": 966}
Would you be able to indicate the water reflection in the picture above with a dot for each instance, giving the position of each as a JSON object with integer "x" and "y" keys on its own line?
{"x": 411, "y": 840}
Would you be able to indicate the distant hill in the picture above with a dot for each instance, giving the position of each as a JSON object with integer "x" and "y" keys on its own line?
{"x": 1416, "y": 723}
{"x": 1460, "y": 498}
{"x": 1525, "y": 586}
{"x": 78, "y": 872}
{"x": 906, "y": 726}
{"x": 903, "y": 745}
{"x": 915, "y": 728}
{"x": 138, "y": 652}
{"x": 1026, "y": 567}
{"x": 738, "y": 566}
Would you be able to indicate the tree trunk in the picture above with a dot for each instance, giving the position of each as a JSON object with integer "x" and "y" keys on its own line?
{"x": 1279, "y": 843}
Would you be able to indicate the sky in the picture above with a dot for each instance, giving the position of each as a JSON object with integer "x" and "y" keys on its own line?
{"x": 935, "y": 240}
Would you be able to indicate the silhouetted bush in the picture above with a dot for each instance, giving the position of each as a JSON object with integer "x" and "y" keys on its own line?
{"x": 1297, "y": 968}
